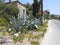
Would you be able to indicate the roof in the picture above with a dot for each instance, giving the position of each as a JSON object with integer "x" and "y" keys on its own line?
{"x": 16, "y": 2}
{"x": 44, "y": 12}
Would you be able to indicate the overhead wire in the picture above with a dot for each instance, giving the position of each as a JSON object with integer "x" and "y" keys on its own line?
{"x": 5, "y": 7}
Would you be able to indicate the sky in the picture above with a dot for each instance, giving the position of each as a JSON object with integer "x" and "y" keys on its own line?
{"x": 51, "y": 5}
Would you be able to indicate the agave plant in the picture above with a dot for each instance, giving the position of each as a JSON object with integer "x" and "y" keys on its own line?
{"x": 16, "y": 24}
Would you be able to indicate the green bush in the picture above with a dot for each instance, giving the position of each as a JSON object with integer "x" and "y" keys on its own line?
{"x": 37, "y": 37}
{"x": 43, "y": 28}
{"x": 29, "y": 36}
{"x": 45, "y": 24}
{"x": 34, "y": 43}
{"x": 18, "y": 39}
{"x": 25, "y": 31}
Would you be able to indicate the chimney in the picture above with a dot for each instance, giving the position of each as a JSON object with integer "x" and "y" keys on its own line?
{"x": 9, "y": 1}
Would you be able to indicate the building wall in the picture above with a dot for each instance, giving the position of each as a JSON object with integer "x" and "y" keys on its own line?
{"x": 22, "y": 9}
{"x": 22, "y": 13}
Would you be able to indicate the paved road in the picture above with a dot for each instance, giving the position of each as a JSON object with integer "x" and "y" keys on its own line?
{"x": 52, "y": 36}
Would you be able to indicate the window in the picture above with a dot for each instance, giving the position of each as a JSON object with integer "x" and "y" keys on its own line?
{"x": 23, "y": 11}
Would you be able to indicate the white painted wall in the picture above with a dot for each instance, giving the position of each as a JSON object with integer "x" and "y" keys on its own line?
{"x": 21, "y": 8}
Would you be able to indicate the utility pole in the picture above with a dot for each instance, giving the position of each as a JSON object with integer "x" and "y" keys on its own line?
{"x": 41, "y": 9}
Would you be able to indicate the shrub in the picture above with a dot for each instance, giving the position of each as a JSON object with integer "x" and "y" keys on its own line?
{"x": 29, "y": 35}
{"x": 45, "y": 24}
{"x": 19, "y": 38}
{"x": 37, "y": 37}
{"x": 34, "y": 43}
{"x": 24, "y": 31}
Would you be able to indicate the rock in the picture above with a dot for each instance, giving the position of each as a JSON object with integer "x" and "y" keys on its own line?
{"x": 16, "y": 34}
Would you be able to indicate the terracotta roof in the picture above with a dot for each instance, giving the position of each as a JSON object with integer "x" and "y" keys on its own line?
{"x": 44, "y": 12}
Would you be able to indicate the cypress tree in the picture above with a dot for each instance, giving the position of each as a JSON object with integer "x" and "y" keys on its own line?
{"x": 36, "y": 8}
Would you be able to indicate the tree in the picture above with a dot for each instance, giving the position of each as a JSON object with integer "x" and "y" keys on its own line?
{"x": 3, "y": 24}
{"x": 53, "y": 16}
{"x": 36, "y": 8}
{"x": 3, "y": 21}
{"x": 28, "y": 8}
{"x": 46, "y": 14}
{"x": 11, "y": 10}
{"x": 3, "y": 0}
{"x": 8, "y": 13}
